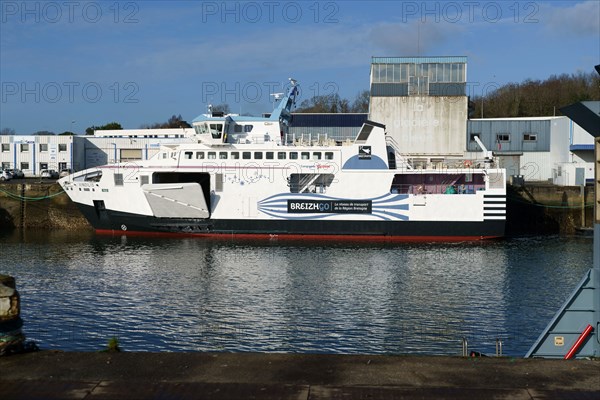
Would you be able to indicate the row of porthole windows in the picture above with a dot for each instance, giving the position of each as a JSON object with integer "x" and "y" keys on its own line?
{"x": 258, "y": 155}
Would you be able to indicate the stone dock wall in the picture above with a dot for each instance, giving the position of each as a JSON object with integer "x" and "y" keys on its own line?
{"x": 531, "y": 209}
{"x": 548, "y": 209}
{"x": 38, "y": 206}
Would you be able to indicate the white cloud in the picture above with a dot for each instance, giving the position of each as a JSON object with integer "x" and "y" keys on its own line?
{"x": 580, "y": 19}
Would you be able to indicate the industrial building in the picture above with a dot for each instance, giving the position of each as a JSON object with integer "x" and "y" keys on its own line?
{"x": 32, "y": 154}
{"x": 422, "y": 101}
{"x": 549, "y": 149}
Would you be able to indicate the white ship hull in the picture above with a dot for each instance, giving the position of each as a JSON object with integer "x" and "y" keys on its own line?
{"x": 243, "y": 177}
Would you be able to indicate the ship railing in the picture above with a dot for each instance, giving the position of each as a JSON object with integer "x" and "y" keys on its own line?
{"x": 440, "y": 188}
{"x": 309, "y": 139}
{"x": 402, "y": 160}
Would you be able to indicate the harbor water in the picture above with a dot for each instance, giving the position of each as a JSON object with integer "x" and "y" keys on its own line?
{"x": 78, "y": 290}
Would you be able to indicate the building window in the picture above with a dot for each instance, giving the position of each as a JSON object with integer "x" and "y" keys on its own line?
{"x": 131, "y": 154}
{"x": 502, "y": 137}
{"x": 62, "y": 147}
{"x": 530, "y": 137}
{"x": 5, "y": 147}
{"x": 43, "y": 165}
{"x": 24, "y": 147}
{"x": 43, "y": 147}
{"x": 24, "y": 166}
{"x": 472, "y": 136}
{"x": 5, "y": 165}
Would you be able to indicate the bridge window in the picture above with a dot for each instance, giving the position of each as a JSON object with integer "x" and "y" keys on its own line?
{"x": 212, "y": 155}
{"x": 235, "y": 155}
{"x": 281, "y": 155}
{"x": 258, "y": 155}
{"x": 246, "y": 155}
{"x": 269, "y": 155}
{"x": 200, "y": 155}
{"x": 222, "y": 155}
{"x": 293, "y": 155}
{"x": 329, "y": 155}
{"x": 216, "y": 130}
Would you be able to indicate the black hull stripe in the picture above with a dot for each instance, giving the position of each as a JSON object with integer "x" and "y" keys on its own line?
{"x": 133, "y": 222}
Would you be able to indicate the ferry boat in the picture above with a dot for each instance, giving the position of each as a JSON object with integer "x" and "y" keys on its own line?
{"x": 248, "y": 176}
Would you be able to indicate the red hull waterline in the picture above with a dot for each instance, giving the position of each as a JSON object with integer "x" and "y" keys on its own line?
{"x": 295, "y": 237}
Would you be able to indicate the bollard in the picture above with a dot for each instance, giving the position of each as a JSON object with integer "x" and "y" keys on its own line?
{"x": 465, "y": 347}
{"x": 11, "y": 336}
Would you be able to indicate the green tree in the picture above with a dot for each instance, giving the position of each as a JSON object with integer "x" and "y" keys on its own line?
{"x": 361, "y": 102}
{"x": 533, "y": 98}
{"x": 7, "y": 132}
{"x": 174, "y": 122}
{"x": 109, "y": 126}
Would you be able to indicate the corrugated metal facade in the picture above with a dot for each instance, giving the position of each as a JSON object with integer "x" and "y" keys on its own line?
{"x": 401, "y": 89}
{"x": 418, "y": 60}
{"x": 336, "y": 126}
{"x": 510, "y": 135}
{"x": 331, "y": 120}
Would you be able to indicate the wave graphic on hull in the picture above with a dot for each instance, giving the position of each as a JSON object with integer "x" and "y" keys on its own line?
{"x": 389, "y": 207}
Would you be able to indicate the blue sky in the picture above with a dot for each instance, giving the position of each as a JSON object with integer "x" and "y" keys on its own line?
{"x": 67, "y": 65}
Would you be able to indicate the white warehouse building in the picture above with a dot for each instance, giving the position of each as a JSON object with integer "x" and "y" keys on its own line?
{"x": 32, "y": 154}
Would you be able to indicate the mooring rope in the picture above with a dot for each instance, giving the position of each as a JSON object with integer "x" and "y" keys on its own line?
{"x": 26, "y": 198}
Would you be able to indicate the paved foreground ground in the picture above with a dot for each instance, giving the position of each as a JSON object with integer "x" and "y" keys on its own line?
{"x": 66, "y": 375}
